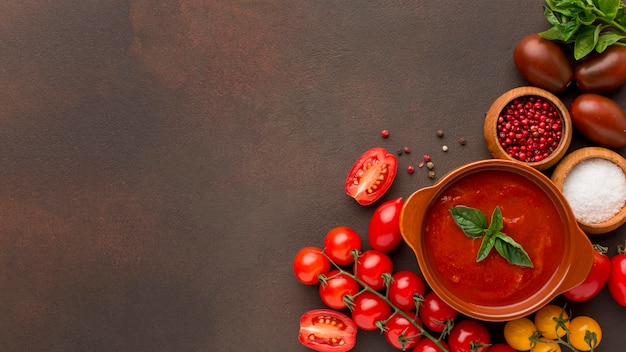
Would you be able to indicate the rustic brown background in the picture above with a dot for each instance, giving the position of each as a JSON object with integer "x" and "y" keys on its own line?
{"x": 161, "y": 162}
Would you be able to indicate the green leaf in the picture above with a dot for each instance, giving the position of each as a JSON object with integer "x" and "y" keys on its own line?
{"x": 607, "y": 39}
{"x": 496, "y": 221}
{"x": 553, "y": 18}
{"x": 472, "y": 221}
{"x": 556, "y": 33}
{"x": 570, "y": 29}
{"x": 485, "y": 247}
{"x": 586, "y": 41}
{"x": 511, "y": 250}
{"x": 586, "y": 17}
{"x": 608, "y": 7}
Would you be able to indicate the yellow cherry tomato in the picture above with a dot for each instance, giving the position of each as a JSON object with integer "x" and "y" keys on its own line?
{"x": 546, "y": 345}
{"x": 546, "y": 323}
{"x": 518, "y": 332}
{"x": 585, "y": 333}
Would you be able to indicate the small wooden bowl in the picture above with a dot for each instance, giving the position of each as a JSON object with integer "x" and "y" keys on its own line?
{"x": 571, "y": 160}
{"x": 491, "y": 129}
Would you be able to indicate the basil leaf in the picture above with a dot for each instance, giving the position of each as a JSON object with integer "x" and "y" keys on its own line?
{"x": 586, "y": 17}
{"x": 586, "y": 41}
{"x": 485, "y": 246}
{"x": 608, "y": 7}
{"x": 554, "y": 33}
{"x": 552, "y": 17}
{"x": 607, "y": 39}
{"x": 496, "y": 221}
{"x": 511, "y": 250}
{"x": 472, "y": 221}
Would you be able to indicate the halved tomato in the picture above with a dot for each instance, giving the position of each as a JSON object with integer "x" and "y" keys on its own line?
{"x": 371, "y": 175}
{"x": 327, "y": 330}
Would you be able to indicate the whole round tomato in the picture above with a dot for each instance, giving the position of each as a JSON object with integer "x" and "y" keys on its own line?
{"x": 327, "y": 330}
{"x": 469, "y": 336}
{"x": 339, "y": 244}
{"x": 585, "y": 333}
{"x": 401, "y": 333}
{"x": 545, "y": 345}
{"x": 384, "y": 227}
{"x": 368, "y": 308}
{"x": 371, "y": 266}
{"x": 427, "y": 345}
{"x": 543, "y": 63}
{"x": 436, "y": 314}
{"x": 371, "y": 175}
{"x": 500, "y": 347}
{"x": 596, "y": 279}
{"x": 546, "y": 323}
{"x": 599, "y": 119}
{"x": 308, "y": 264}
{"x": 405, "y": 286}
{"x": 333, "y": 290}
{"x": 602, "y": 72}
{"x": 518, "y": 332}
{"x": 617, "y": 278}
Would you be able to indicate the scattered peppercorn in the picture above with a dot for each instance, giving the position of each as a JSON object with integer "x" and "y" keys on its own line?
{"x": 384, "y": 133}
{"x": 462, "y": 141}
{"x": 426, "y": 157}
{"x": 407, "y": 150}
{"x": 444, "y": 148}
{"x": 421, "y": 164}
{"x": 431, "y": 174}
{"x": 410, "y": 169}
{"x": 430, "y": 165}
{"x": 439, "y": 133}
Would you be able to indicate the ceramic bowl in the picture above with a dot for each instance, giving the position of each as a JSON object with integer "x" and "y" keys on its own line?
{"x": 491, "y": 130}
{"x": 571, "y": 266}
{"x": 574, "y": 158}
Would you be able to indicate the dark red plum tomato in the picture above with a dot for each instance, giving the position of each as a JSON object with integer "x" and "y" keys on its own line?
{"x": 466, "y": 333}
{"x": 500, "y": 347}
{"x": 427, "y": 345}
{"x": 602, "y": 72}
{"x": 339, "y": 243}
{"x": 599, "y": 119}
{"x": 368, "y": 309}
{"x": 327, "y": 330}
{"x": 617, "y": 278}
{"x": 384, "y": 228}
{"x": 404, "y": 287}
{"x": 401, "y": 333}
{"x": 543, "y": 63}
{"x": 333, "y": 290}
{"x": 371, "y": 175}
{"x": 309, "y": 263}
{"x": 596, "y": 279}
{"x": 371, "y": 266}
{"x": 436, "y": 314}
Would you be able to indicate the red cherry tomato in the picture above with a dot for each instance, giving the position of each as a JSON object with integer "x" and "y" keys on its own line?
{"x": 401, "y": 333}
{"x": 333, "y": 291}
{"x": 427, "y": 345}
{"x": 371, "y": 175}
{"x": 371, "y": 265}
{"x": 308, "y": 264}
{"x": 617, "y": 278}
{"x": 500, "y": 347}
{"x": 543, "y": 63}
{"x": 384, "y": 228}
{"x": 339, "y": 243}
{"x": 596, "y": 279}
{"x": 599, "y": 119}
{"x": 467, "y": 334}
{"x": 368, "y": 309}
{"x": 602, "y": 72}
{"x": 435, "y": 313}
{"x": 404, "y": 286}
{"x": 327, "y": 330}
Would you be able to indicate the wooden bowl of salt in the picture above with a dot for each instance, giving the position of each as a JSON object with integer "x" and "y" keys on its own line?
{"x": 593, "y": 180}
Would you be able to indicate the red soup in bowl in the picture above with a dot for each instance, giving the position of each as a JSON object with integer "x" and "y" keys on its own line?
{"x": 534, "y": 214}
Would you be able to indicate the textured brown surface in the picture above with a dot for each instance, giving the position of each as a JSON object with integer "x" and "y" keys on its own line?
{"x": 162, "y": 162}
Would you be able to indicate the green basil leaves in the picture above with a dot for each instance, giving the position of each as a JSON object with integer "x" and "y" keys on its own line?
{"x": 473, "y": 222}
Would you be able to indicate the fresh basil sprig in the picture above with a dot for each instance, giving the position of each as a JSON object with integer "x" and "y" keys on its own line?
{"x": 587, "y": 24}
{"x": 473, "y": 222}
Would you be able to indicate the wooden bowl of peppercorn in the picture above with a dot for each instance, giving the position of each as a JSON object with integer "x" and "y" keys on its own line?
{"x": 529, "y": 125}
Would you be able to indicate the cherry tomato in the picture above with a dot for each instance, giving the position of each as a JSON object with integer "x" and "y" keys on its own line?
{"x": 371, "y": 265}
{"x": 599, "y": 119}
{"x": 327, "y": 330}
{"x": 404, "y": 287}
{"x": 602, "y": 72}
{"x": 339, "y": 243}
{"x": 333, "y": 291}
{"x": 500, "y": 347}
{"x": 368, "y": 309}
{"x": 546, "y": 323}
{"x": 371, "y": 175}
{"x": 401, "y": 333}
{"x": 545, "y": 345}
{"x": 518, "y": 332}
{"x": 468, "y": 336}
{"x": 596, "y": 279}
{"x": 384, "y": 228}
{"x": 543, "y": 63}
{"x": 617, "y": 278}
{"x": 435, "y": 313}
{"x": 309, "y": 263}
{"x": 585, "y": 333}
{"x": 427, "y": 345}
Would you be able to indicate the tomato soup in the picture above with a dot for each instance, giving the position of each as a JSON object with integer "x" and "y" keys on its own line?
{"x": 529, "y": 217}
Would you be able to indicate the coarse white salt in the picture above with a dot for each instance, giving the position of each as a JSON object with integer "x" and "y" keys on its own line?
{"x": 595, "y": 189}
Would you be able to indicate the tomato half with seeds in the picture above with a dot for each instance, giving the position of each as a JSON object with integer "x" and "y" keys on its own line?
{"x": 327, "y": 330}
{"x": 371, "y": 175}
